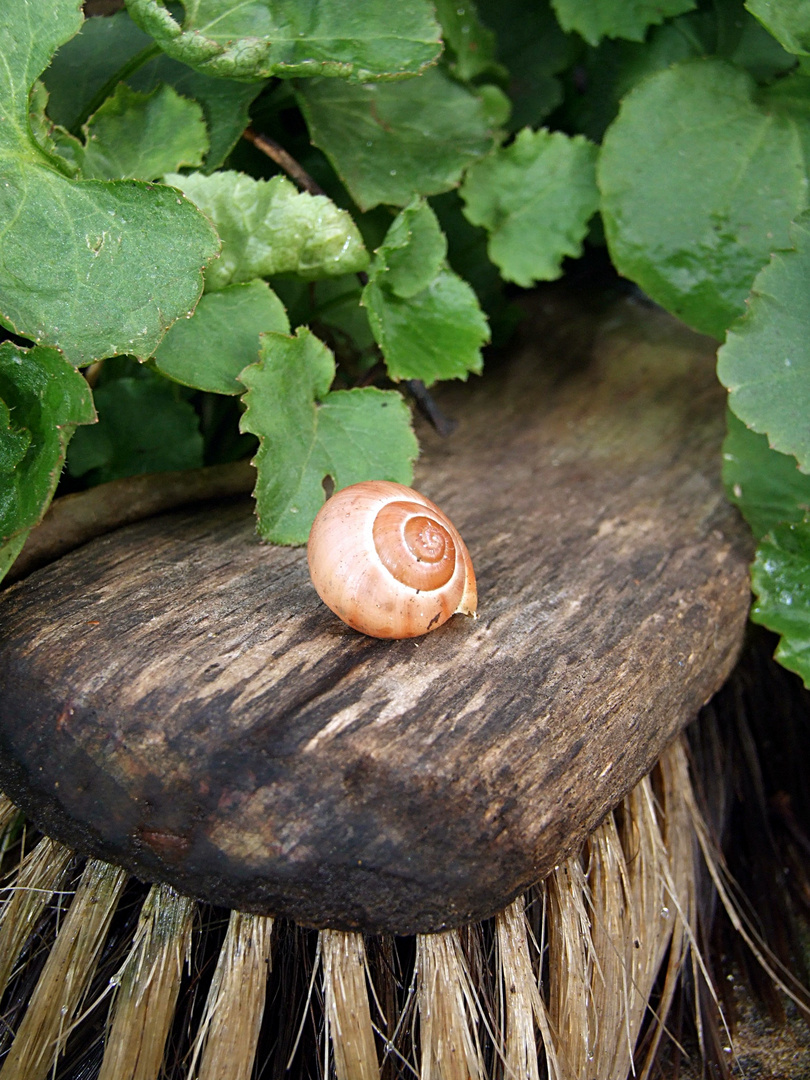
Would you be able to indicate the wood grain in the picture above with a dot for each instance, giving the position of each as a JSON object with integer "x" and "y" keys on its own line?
{"x": 175, "y": 698}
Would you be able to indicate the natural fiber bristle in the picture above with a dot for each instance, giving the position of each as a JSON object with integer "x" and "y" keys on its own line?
{"x": 346, "y": 1006}
{"x": 66, "y": 976}
{"x": 229, "y": 1033}
{"x": 147, "y": 987}
{"x": 36, "y": 879}
{"x": 524, "y": 1009}
{"x": 448, "y": 1011}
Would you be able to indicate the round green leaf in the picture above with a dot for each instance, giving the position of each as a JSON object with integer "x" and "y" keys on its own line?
{"x": 781, "y": 580}
{"x": 787, "y": 20}
{"x": 42, "y": 400}
{"x": 765, "y": 362}
{"x": 90, "y": 267}
{"x": 766, "y": 485}
{"x": 700, "y": 176}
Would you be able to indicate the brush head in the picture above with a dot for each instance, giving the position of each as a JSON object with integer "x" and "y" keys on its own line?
{"x": 172, "y": 698}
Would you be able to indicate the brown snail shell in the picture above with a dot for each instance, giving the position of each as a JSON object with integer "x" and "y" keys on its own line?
{"x": 388, "y": 562}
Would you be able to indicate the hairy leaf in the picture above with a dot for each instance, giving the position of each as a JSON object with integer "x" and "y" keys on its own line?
{"x": 143, "y": 426}
{"x": 595, "y": 19}
{"x": 308, "y": 433}
{"x": 391, "y": 141}
{"x": 268, "y": 227}
{"x": 780, "y": 579}
{"x": 90, "y": 267}
{"x": 700, "y": 176}
{"x": 535, "y": 198}
{"x": 42, "y": 400}
{"x": 107, "y": 50}
{"x": 209, "y": 350}
{"x": 766, "y": 486}
{"x": 787, "y": 20}
{"x": 765, "y": 362}
{"x": 142, "y": 136}
{"x": 365, "y": 39}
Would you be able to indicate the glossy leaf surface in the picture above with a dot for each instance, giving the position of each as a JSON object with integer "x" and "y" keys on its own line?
{"x": 700, "y": 175}
{"x": 765, "y": 362}
{"x": 781, "y": 581}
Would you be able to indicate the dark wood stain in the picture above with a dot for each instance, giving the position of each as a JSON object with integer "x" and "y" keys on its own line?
{"x": 175, "y": 698}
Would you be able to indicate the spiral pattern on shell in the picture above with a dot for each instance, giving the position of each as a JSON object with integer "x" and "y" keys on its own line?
{"x": 389, "y": 562}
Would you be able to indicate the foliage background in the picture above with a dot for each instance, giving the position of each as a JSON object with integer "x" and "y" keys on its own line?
{"x": 445, "y": 155}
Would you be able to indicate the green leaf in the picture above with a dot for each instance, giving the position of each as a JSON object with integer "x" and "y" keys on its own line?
{"x": 268, "y": 227}
{"x": 308, "y": 433}
{"x": 413, "y": 251}
{"x": 471, "y": 45}
{"x": 225, "y": 103}
{"x": 42, "y": 400}
{"x": 608, "y": 73}
{"x": 90, "y": 267}
{"x": 765, "y": 362}
{"x": 766, "y": 486}
{"x": 436, "y": 332}
{"x": 787, "y": 20}
{"x": 700, "y": 175}
{"x": 780, "y": 578}
{"x": 209, "y": 350}
{"x": 9, "y": 552}
{"x": 143, "y": 426}
{"x": 58, "y": 144}
{"x": 595, "y": 19}
{"x": 142, "y": 136}
{"x": 391, "y": 141}
{"x": 535, "y": 198}
{"x": 365, "y": 39}
{"x": 108, "y": 50}
{"x": 87, "y": 68}
{"x": 532, "y": 46}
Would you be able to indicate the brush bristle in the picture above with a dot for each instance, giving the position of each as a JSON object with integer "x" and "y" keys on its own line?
{"x": 575, "y": 979}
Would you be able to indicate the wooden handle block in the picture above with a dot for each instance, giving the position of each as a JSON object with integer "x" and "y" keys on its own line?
{"x": 175, "y": 698}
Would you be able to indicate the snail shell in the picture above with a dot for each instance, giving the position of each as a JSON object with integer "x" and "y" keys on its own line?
{"x": 388, "y": 562}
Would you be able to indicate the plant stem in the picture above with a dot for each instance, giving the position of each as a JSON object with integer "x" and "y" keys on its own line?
{"x": 284, "y": 159}
{"x": 426, "y": 403}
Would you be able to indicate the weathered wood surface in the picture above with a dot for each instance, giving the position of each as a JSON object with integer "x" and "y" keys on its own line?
{"x": 175, "y": 697}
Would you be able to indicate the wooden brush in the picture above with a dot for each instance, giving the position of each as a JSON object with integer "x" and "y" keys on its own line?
{"x": 175, "y": 701}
